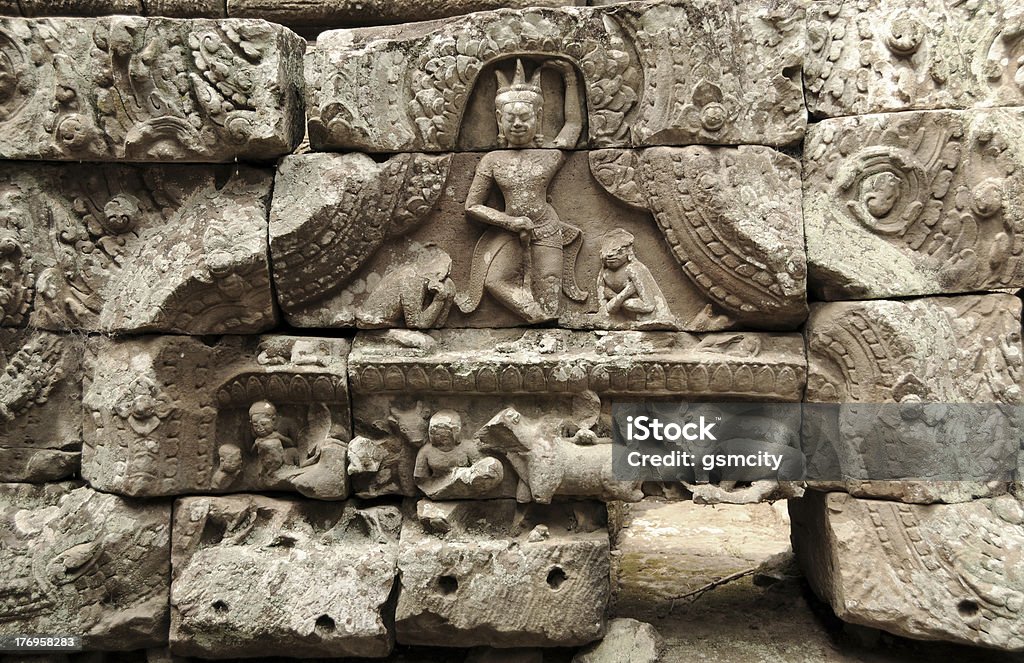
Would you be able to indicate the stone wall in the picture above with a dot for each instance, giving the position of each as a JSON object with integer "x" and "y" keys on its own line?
{"x": 310, "y": 350}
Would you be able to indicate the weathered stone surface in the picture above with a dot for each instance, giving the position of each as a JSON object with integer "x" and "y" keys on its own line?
{"x": 321, "y": 14}
{"x": 422, "y": 241}
{"x": 639, "y": 73}
{"x": 939, "y": 572}
{"x": 189, "y": 8}
{"x": 32, "y": 8}
{"x": 331, "y": 567}
{"x": 952, "y": 364}
{"x": 915, "y": 203}
{"x": 40, "y": 405}
{"x": 129, "y": 88}
{"x": 169, "y": 415}
{"x": 135, "y": 248}
{"x": 627, "y": 641}
{"x": 890, "y": 55}
{"x": 75, "y": 561}
{"x": 502, "y": 574}
{"x": 434, "y": 412}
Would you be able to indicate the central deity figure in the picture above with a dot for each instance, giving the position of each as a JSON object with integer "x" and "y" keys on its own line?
{"x": 527, "y": 258}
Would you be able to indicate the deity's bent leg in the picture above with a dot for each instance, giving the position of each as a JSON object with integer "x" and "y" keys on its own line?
{"x": 505, "y": 283}
{"x": 547, "y": 278}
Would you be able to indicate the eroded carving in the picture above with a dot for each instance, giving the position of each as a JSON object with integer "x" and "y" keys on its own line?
{"x": 333, "y": 566}
{"x": 497, "y": 573}
{"x": 915, "y": 203}
{"x": 173, "y": 415}
{"x": 150, "y": 89}
{"x": 637, "y": 69}
{"x": 78, "y": 561}
{"x": 40, "y": 405}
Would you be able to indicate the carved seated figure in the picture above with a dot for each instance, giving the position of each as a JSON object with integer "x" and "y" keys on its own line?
{"x": 626, "y": 289}
{"x": 448, "y": 467}
{"x": 229, "y": 465}
{"x": 274, "y": 449}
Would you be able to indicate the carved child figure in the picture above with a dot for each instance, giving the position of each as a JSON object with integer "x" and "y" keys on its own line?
{"x": 272, "y": 447}
{"x": 230, "y": 464}
{"x": 448, "y": 467}
{"x": 626, "y": 289}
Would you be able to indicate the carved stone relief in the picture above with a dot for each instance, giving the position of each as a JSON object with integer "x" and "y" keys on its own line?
{"x": 523, "y": 236}
{"x": 526, "y": 415}
{"x": 76, "y": 561}
{"x": 501, "y": 574}
{"x": 40, "y": 405}
{"x": 927, "y": 355}
{"x": 648, "y": 75}
{"x": 941, "y": 572}
{"x": 890, "y": 55}
{"x": 915, "y": 203}
{"x": 332, "y": 567}
{"x": 148, "y": 89}
{"x": 131, "y": 249}
{"x": 173, "y": 415}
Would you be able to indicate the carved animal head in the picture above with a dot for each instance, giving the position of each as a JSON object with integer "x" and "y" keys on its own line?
{"x": 410, "y": 424}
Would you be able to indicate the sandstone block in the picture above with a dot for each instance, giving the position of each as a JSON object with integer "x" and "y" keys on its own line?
{"x": 420, "y": 241}
{"x": 627, "y": 641}
{"x": 82, "y": 562}
{"x": 938, "y": 572}
{"x": 40, "y": 405}
{"x": 460, "y": 414}
{"x": 931, "y": 392}
{"x": 127, "y": 88}
{"x": 915, "y": 203}
{"x": 331, "y": 567}
{"x": 171, "y": 415}
{"x": 636, "y": 74}
{"x": 495, "y": 573}
{"x": 135, "y": 248}
{"x": 891, "y": 55}
{"x": 189, "y": 9}
{"x": 34, "y": 8}
{"x": 321, "y": 14}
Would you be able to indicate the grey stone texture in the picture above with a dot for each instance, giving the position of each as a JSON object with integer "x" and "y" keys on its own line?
{"x": 173, "y": 415}
{"x": 952, "y": 365}
{"x": 40, "y": 405}
{"x": 76, "y": 561}
{"x": 939, "y": 572}
{"x": 330, "y": 569}
{"x": 415, "y": 241}
{"x": 118, "y": 248}
{"x": 891, "y": 55}
{"x": 500, "y": 574}
{"x": 627, "y": 641}
{"x": 642, "y": 74}
{"x": 127, "y": 88}
{"x": 915, "y": 203}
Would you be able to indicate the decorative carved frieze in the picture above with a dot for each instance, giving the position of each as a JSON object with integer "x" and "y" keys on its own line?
{"x": 128, "y": 88}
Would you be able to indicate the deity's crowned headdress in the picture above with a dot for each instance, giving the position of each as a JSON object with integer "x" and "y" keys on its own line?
{"x": 518, "y": 89}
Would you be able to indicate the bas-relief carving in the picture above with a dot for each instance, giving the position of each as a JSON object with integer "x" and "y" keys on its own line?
{"x": 138, "y": 89}
{"x": 927, "y": 355}
{"x": 40, "y": 405}
{"x": 525, "y": 415}
{"x": 501, "y": 574}
{"x": 649, "y": 75}
{"x": 173, "y": 415}
{"x": 915, "y": 203}
{"x": 941, "y": 572}
{"x": 333, "y": 567}
{"x": 522, "y": 236}
{"x": 890, "y": 55}
{"x": 135, "y": 248}
{"x": 76, "y": 561}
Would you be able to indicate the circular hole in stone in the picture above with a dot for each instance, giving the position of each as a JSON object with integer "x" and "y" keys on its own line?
{"x": 219, "y": 606}
{"x": 447, "y": 584}
{"x": 556, "y": 576}
{"x": 324, "y": 624}
{"x": 967, "y": 608}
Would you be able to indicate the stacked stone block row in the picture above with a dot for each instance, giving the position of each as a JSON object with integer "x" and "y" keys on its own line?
{"x": 670, "y": 127}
